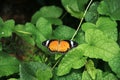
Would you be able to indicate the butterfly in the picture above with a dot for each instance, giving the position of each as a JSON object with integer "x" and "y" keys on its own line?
{"x": 61, "y": 46}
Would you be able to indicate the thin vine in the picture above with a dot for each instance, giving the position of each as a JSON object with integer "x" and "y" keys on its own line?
{"x": 81, "y": 20}
{"x": 77, "y": 29}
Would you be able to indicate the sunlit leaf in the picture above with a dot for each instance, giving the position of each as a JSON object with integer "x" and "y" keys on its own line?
{"x": 91, "y": 69}
{"x": 73, "y": 59}
{"x": 86, "y": 76}
{"x": 105, "y": 24}
{"x": 110, "y": 8}
{"x": 98, "y": 46}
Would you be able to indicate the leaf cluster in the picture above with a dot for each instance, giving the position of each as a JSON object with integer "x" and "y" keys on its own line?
{"x": 97, "y": 56}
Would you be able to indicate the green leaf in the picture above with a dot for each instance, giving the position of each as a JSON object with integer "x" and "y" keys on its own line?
{"x": 86, "y": 76}
{"x": 63, "y": 32}
{"x": 38, "y": 40}
{"x": 1, "y": 22}
{"x": 44, "y": 73}
{"x": 27, "y": 29}
{"x": 6, "y": 28}
{"x": 115, "y": 64}
{"x": 80, "y": 37}
{"x": 92, "y": 14}
{"x": 27, "y": 32}
{"x": 74, "y": 75}
{"x": 108, "y": 26}
{"x": 99, "y": 74}
{"x": 54, "y": 21}
{"x": 0, "y": 46}
{"x": 13, "y": 79}
{"x": 75, "y": 7}
{"x": 72, "y": 59}
{"x": 110, "y": 8}
{"x": 109, "y": 76}
{"x": 28, "y": 39}
{"x": 44, "y": 27}
{"x": 31, "y": 71}
{"x": 98, "y": 46}
{"x": 47, "y": 12}
{"x": 8, "y": 64}
{"x": 91, "y": 69}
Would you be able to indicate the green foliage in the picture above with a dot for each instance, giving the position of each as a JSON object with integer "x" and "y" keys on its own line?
{"x": 60, "y": 32}
{"x": 74, "y": 75}
{"x": 6, "y": 28}
{"x": 75, "y": 8}
{"x": 49, "y": 12}
{"x": 22, "y": 52}
{"x": 110, "y": 8}
{"x": 106, "y": 25}
{"x": 92, "y": 14}
{"x": 41, "y": 25}
{"x": 34, "y": 71}
{"x": 92, "y": 73}
{"x": 114, "y": 64}
{"x": 73, "y": 59}
{"x": 8, "y": 64}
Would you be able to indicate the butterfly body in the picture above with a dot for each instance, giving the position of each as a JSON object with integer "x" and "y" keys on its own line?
{"x": 61, "y": 46}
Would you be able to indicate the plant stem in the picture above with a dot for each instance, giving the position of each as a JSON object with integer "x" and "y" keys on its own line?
{"x": 76, "y": 30}
{"x": 81, "y": 20}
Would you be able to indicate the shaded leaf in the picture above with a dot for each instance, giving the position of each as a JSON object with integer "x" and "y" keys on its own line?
{"x": 48, "y": 12}
{"x": 115, "y": 64}
{"x": 75, "y": 7}
{"x": 6, "y": 28}
{"x": 63, "y": 32}
{"x": 30, "y": 70}
{"x": 44, "y": 73}
{"x": 92, "y": 14}
{"x": 26, "y": 32}
{"x": 109, "y": 76}
{"x": 44, "y": 27}
{"x": 8, "y": 64}
{"x": 0, "y": 46}
{"x": 80, "y": 37}
{"x": 74, "y": 75}
{"x": 55, "y": 21}
{"x": 28, "y": 39}
{"x": 110, "y": 8}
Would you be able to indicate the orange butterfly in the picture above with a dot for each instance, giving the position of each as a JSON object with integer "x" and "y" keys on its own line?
{"x": 61, "y": 46}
